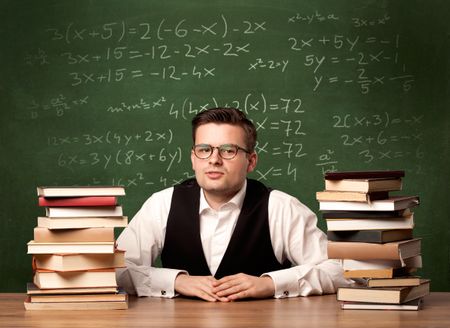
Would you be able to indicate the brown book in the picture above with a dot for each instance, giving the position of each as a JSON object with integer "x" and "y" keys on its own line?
{"x": 393, "y": 282}
{"x": 378, "y": 273}
{"x": 354, "y": 224}
{"x": 350, "y": 196}
{"x": 78, "y": 262}
{"x": 77, "y": 222}
{"x": 392, "y": 295}
{"x": 363, "y": 185}
{"x": 398, "y": 250}
{"x": 73, "y": 235}
{"x": 46, "y": 279}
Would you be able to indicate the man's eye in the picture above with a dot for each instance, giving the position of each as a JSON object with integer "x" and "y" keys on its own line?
{"x": 204, "y": 150}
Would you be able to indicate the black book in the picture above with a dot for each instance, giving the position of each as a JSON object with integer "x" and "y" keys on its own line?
{"x": 364, "y": 214}
{"x": 364, "y": 175}
{"x": 370, "y": 236}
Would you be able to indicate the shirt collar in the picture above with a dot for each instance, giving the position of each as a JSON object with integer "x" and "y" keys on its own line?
{"x": 237, "y": 200}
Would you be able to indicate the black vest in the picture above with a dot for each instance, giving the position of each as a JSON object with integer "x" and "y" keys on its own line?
{"x": 250, "y": 249}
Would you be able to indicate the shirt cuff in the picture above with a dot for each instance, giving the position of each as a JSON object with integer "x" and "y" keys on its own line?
{"x": 286, "y": 282}
{"x": 163, "y": 282}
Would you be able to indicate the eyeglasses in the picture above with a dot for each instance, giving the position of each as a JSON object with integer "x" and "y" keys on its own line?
{"x": 228, "y": 151}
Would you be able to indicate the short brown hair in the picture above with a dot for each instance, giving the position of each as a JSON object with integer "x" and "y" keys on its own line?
{"x": 231, "y": 116}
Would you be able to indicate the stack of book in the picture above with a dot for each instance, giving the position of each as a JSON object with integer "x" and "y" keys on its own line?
{"x": 371, "y": 233}
{"x": 74, "y": 254}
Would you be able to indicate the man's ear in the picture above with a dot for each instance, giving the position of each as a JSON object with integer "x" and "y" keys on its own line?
{"x": 252, "y": 161}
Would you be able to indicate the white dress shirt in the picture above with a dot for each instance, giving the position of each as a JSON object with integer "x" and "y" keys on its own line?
{"x": 293, "y": 232}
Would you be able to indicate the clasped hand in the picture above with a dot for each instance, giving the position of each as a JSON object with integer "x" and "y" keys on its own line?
{"x": 226, "y": 289}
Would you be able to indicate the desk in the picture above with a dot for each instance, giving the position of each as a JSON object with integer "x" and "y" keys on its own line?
{"x": 313, "y": 311}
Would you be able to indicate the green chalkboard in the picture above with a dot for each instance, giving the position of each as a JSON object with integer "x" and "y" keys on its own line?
{"x": 102, "y": 92}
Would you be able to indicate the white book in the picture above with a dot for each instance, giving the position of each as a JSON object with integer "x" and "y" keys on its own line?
{"x": 393, "y": 203}
{"x": 62, "y": 191}
{"x": 412, "y": 262}
{"x": 71, "y": 248}
{"x": 406, "y": 222}
{"x": 84, "y": 211}
{"x": 74, "y": 279}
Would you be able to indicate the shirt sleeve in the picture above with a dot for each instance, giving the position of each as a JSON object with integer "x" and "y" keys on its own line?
{"x": 296, "y": 237}
{"x": 142, "y": 241}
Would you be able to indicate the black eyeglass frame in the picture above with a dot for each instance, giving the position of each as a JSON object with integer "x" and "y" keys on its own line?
{"x": 237, "y": 147}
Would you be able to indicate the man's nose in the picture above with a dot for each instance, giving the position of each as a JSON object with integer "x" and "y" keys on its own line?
{"x": 215, "y": 156}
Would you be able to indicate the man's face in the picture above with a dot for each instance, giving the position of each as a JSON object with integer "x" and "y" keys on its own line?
{"x": 222, "y": 178}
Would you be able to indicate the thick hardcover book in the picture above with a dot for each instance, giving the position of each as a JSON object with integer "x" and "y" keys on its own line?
{"x": 79, "y": 262}
{"x": 410, "y": 262}
{"x": 105, "y": 247}
{"x": 65, "y": 298}
{"x": 46, "y": 279}
{"x": 84, "y": 211}
{"x": 62, "y": 191}
{"x": 398, "y": 250}
{"x": 32, "y": 289}
{"x": 378, "y": 273}
{"x": 73, "y": 235}
{"x": 365, "y": 214}
{"x": 353, "y": 224}
{"x": 364, "y": 174}
{"x": 78, "y": 201}
{"x": 392, "y": 295}
{"x": 413, "y": 305}
{"x": 350, "y": 196}
{"x": 370, "y": 236}
{"x": 393, "y": 282}
{"x": 71, "y": 306}
{"x": 83, "y": 222}
{"x": 364, "y": 185}
{"x": 393, "y": 203}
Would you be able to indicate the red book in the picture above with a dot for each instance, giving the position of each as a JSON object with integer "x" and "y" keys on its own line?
{"x": 78, "y": 201}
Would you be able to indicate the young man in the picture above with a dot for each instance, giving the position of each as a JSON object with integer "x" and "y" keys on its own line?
{"x": 221, "y": 236}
